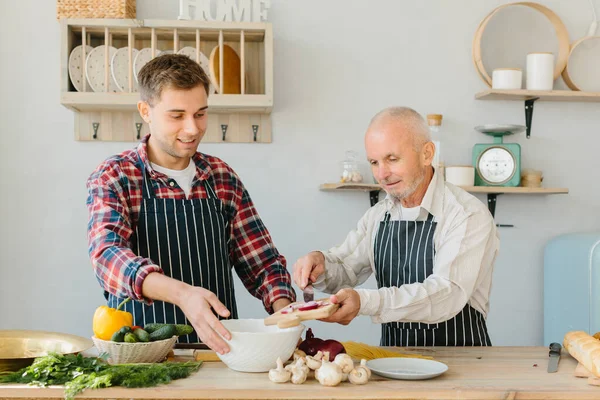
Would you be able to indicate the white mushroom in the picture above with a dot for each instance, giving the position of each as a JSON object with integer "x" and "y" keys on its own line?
{"x": 363, "y": 363}
{"x": 298, "y": 354}
{"x": 360, "y": 375}
{"x": 314, "y": 362}
{"x": 280, "y": 374}
{"x": 329, "y": 374}
{"x": 346, "y": 364}
{"x": 299, "y": 363}
{"x": 299, "y": 372}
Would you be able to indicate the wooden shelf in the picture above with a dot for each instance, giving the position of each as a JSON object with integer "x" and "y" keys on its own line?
{"x": 218, "y": 103}
{"x": 472, "y": 189}
{"x": 545, "y": 95}
{"x": 514, "y": 190}
{"x": 233, "y": 118}
{"x": 364, "y": 187}
{"x": 491, "y": 191}
{"x": 531, "y": 96}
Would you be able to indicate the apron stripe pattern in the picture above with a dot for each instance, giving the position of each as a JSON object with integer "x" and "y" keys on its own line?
{"x": 188, "y": 239}
{"x": 405, "y": 254}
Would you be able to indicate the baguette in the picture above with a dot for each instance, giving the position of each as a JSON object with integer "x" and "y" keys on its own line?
{"x": 582, "y": 372}
{"x": 585, "y": 349}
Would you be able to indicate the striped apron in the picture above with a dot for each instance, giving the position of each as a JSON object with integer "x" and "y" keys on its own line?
{"x": 404, "y": 254}
{"x": 188, "y": 239}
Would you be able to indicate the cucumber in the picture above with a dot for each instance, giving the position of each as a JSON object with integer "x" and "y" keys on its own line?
{"x": 162, "y": 333}
{"x": 119, "y": 336}
{"x": 183, "y": 329}
{"x": 141, "y": 335}
{"x": 130, "y": 338}
{"x": 180, "y": 329}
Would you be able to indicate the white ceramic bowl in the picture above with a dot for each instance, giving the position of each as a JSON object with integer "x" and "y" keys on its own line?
{"x": 255, "y": 347}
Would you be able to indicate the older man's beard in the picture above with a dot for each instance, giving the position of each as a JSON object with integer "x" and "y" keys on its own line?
{"x": 411, "y": 189}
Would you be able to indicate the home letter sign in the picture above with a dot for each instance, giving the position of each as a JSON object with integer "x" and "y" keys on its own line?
{"x": 224, "y": 10}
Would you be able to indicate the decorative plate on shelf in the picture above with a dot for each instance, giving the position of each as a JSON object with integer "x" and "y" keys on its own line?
{"x": 119, "y": 66}
{"x": 191, "y": 53}
{"x": 76, "y": 67}
{"x": 142, "y": 57}
{"x": 95, "y": 70}
{"x": 232, "y": 82}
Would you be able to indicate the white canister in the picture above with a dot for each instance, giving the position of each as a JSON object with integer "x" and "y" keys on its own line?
{"x": 540, "y": 71}
{"x": 460, "y": 175}
{"x": 507, "y": 78}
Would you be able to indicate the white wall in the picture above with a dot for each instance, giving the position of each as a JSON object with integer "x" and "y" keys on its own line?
{"x": 337, "y": 62}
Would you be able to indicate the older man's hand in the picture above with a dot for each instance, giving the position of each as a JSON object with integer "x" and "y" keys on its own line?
{"x": 349, "y": 302}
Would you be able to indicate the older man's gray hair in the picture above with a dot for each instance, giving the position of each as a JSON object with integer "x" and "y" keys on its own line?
{"x": 409, "y": 118}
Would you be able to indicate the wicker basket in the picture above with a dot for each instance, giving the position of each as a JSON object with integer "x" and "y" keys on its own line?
{"x": 128, "y": 353}
{"x": 95, "y": 9}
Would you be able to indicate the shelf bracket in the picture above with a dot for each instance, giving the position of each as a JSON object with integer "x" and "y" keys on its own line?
{"x": 374, "y": 196}
{"x": 529, "y": 114}
{"x": 491, "y": 199}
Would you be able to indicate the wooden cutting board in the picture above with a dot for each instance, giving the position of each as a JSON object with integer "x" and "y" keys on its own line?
{"x": 293, "y": 318}
{"x": 232, "y": 67}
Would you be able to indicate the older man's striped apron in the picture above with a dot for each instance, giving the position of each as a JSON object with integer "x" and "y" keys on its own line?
{"x": 188, "y": 239}
{"x": 405, "y": 253}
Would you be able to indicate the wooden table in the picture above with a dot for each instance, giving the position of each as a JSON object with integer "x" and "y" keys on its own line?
{"x": 474, "y": 373}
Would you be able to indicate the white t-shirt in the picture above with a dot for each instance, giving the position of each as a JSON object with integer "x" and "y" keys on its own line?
{"x": 183, "y": 177}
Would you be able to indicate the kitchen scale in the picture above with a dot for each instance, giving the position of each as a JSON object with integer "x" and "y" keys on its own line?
{"x": 497, "y": 163}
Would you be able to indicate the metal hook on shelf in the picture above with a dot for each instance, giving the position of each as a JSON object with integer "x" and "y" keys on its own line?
{"x": 138, "y": 128}
{"x": 255, "y": 131}
{"x": 95, "y": 126}
{"x": 224, "y": 130}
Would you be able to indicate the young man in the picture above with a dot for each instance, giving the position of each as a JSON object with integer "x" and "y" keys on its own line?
{"x": 168, "y": 223}
{"x": 431, "y": 245}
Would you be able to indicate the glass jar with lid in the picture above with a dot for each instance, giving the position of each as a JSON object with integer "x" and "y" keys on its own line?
{"x": 350, "y": 168}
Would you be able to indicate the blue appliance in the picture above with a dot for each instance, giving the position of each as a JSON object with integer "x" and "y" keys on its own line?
{"x": 571, "y": 285}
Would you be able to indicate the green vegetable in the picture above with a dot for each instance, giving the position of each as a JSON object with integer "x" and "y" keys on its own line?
{"x": 130, "y": 338}
{"x": 142, "y": 335}
{"x": 79, "y": 373}
{"x": 180, "y": 329}
{"x": 165, "y": 332}
{"x": 119, "y": 336}
{"x": 183, "y": 329}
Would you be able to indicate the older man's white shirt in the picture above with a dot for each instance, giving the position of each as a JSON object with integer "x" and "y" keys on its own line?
{"x": 466, "y": 245}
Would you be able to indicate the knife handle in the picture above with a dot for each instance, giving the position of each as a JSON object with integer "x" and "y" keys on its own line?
{"x": 555, "y": 348}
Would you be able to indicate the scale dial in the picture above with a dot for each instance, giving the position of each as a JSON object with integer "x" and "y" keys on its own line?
{"x": 496, "y": 165}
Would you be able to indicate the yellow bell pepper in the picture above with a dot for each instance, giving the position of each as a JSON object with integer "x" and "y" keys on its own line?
{"x": 109, "y": 320}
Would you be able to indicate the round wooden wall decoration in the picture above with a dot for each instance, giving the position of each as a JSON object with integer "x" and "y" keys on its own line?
{"x": 561, "y": 33}
{"x": 565, "y": 74}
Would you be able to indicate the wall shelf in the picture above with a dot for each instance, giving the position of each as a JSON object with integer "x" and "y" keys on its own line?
{"x": 243, "y": 117}
{"x": 531, "y": 96}
{"x": 544, "y": 95}
{"x": 492, "y": 192}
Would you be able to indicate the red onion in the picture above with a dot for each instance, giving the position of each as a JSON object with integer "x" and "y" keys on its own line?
{"x": 312, "y": 345}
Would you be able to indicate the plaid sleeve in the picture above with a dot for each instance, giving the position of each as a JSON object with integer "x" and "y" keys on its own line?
{"x": 119, "y": 271}
{"x": 254, "y": 256}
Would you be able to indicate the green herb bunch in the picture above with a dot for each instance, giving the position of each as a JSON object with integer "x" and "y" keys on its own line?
{"x": 79, "y": 373}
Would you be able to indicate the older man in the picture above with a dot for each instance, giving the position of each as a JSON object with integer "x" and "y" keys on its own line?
{"x": 431, "y": 245}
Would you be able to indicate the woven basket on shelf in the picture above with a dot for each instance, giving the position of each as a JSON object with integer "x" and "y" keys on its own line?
{"x": 126, "y": 353}
{"x": 95, "y": 9}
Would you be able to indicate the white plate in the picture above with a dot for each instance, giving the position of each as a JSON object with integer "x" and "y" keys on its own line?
{"x": 119, "y": 65}
{"x": 94, "y": 69}
{"x": 499, "y": 128}
{"x": 407, "y": 368}
{"x": 191, "y": 53}
{"x": 76, "y": 67}
{"x": 142, "y": 58}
